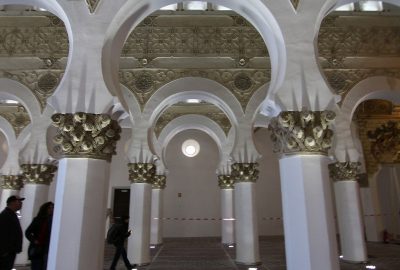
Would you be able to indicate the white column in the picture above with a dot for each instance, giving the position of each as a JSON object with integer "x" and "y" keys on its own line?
{"x": 139, "y": 223}
{"x": 77, "y": 239}
{"x": 246, "y": 231}
{"x": 35, "y": 195}
{"x": 228, "y": 216}
{"x": 157, "y": 196}
{"x": 351, "y": 228}
{"x": 310, "y": 239}
{"x": 5, "y": 193}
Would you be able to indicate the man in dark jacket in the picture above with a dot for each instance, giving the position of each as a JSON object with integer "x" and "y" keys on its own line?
{"x": 10, "y": 233}
{"x": 121, "y": 233}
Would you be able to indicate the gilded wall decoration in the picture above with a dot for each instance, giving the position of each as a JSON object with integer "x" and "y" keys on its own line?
{"x": 302, "y": 131}
{"x": 38, "y": 173}
{"x": 13, "y": 182}
{"x": 244, "y": 172}
{"x": 385, "y": 142}
{"x": 344, "y": 171}
{"x": 17, "y": 116}
{"x": 142, "y": 172}
{"x": 243, "y": 83}
{"x": 85, "y": 135}
{"x": 159, "y": 181}
{"x": 210, "y": 111}
{"x": 226, "y": 181}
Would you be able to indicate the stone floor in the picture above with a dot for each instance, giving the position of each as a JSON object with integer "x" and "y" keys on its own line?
{"x": 209, "y": 254}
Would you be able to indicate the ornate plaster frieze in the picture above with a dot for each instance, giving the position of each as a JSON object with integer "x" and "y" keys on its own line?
{"x": 244, "y": 172}
{"x": 42, "y": 83}
{"x": 159, "y": 182}
{"x": 142, "y": 172}
{"x": 302, "y": 132}
{"x": 210, "y": 111}
{"x": 385, "y": 142}
{"x": 13, "y": 182}
{"x": 17, "y": 116}
{"x": 92, "y": 5}
{"x": 85, "y": 135}
{"x": 344, "y": 171}
{"x": 226, "y": 181}
{"x": 242, "y": 83}
{"x": 38, "y": 173}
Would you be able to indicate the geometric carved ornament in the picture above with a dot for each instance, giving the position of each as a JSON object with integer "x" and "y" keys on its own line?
{"x": 385, "y": 142}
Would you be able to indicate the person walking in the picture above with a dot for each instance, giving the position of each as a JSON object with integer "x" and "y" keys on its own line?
{"x": 38, "y": 233}
{"x": 116, "y": 236}
{"x": 10, "y": 232}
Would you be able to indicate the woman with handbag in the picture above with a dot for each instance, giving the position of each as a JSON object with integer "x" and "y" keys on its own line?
{"x": 38, "y": 234}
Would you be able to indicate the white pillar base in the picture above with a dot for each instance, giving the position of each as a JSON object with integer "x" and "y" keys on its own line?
{"x": 228, "y": 216}
{"x": 139, "y": 222}
{"x": 77, "y": 238}
{"x": 247, "y": 246}
{"x": 310, "y": 239}
{"x": 5, "y": 193}
{"x": 157, "y": 196}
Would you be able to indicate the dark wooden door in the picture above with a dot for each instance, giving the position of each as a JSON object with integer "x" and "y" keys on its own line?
{"x": 121, "y": 202}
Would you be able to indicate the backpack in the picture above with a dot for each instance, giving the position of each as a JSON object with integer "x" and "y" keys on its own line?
{"x": 113, "y": 234}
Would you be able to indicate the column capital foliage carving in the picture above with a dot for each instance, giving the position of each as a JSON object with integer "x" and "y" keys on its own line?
{"x": 38, "y": 173}
{"x": 13, "y": 182}
{"x": 159, "y": 182}
{"x": 302, "y": 131}
{"x": 86, "y": 135}
{"x": 344, "y": 171}
{"x": 385, "y": 142}
{"x": 225, "y": 181}
{"x": 244, "y": 172}
{"x": 142, "y": 172}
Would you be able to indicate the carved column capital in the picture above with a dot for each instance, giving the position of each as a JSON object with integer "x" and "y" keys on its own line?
{"x": 302, "y": 132}
{"x": 141, "y": 172}
{"x": 344, "y": 171}
{"x": 244, "y": 172}
{"x": 159, "y": 182}
{"x": 38, "y": 173}
{"x": 13, "y": 182}
{"x": 225, "y": 181}
{"x": 86, "y": 135}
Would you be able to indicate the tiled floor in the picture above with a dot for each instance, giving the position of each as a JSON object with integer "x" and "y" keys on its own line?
{"x": 209, "y": 254}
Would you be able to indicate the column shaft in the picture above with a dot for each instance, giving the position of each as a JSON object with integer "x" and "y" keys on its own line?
{"x": 5, "y": 193}
{"x": 227, "y": 215}
{"x": 157, "y": 196}
{"x": 310, "y": 239}
{"x": 348, "y": 207}
{"x": 77, "y": 239}
{"x": 247, "y": 246}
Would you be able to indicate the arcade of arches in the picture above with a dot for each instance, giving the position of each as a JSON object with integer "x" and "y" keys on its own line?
{"x": 293, "y": 107}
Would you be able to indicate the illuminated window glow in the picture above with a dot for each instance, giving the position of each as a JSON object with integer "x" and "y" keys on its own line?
{"x": 194, "y": 5}
{"x": 348, "y": 7}
{"x": 371, "y": 5}
{"x": 219, "y": 7}
{"x": 170, "y": 7}
{"x": 190, "y": 148}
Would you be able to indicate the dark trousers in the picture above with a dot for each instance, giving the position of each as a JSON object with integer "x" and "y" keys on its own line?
{"x": 39, "y": 263}
{"x": 7, "y": 261}
{"x": 120, "y": 251}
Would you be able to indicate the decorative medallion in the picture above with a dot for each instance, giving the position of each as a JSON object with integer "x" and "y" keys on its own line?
{"x": 385, "y": 142}
{"x": 344, "y": 171}
{"x": 13, "y": 182}
{"x": 305, "y": 131}
{"x": 92, "y": 5}
{"x": 142, "y": 172}
{"x": 242, "y": 82}
{"x": 159, "y": 182}
{"x": 144, "y": 82}
{"x": 86, "y": 135}
{"x": 244, "y": 172}
{"x": 47, "y": 83}
{"x": 225, "y": 181}
{"x": 38, "y": 173}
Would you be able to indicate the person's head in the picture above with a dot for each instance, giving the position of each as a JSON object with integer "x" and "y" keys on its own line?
{"x": 14, "y": 202}
{"x": 46, "y": 210}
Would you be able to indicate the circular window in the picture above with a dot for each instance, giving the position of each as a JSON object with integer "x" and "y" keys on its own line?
{"x": 190, "y": 148}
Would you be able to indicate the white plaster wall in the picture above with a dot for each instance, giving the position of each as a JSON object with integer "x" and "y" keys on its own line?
{"x": 3, "y": 149}
{"x": 268, "y": 189}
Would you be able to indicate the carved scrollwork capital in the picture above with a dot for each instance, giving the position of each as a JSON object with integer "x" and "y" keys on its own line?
{"x": 38, "y": 173}
{"x": 141, "y": 172}
{"x": 13, "y": 182}
{"x": 244, "y": 172}
{"x": 344, "y": 171}
{"x": 302, "y": 131}
{"x": 86, "y": 135}
{"x": 159, "y": 182}
{"x": 225, "y": 181}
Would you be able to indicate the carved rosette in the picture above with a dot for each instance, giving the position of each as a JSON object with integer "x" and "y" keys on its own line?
{"x": 225, "y": 182}
{"x": 344, "y": 171}
{"x": 38, "y": 173}
{"x": 305, "y": 132}
{"x": 159, "y": 182}
{"x": 142, "y": 172}
{"x": 86, "y": 135}
{"x": 13, "y": 182}
{"x": 244, "y": 172}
